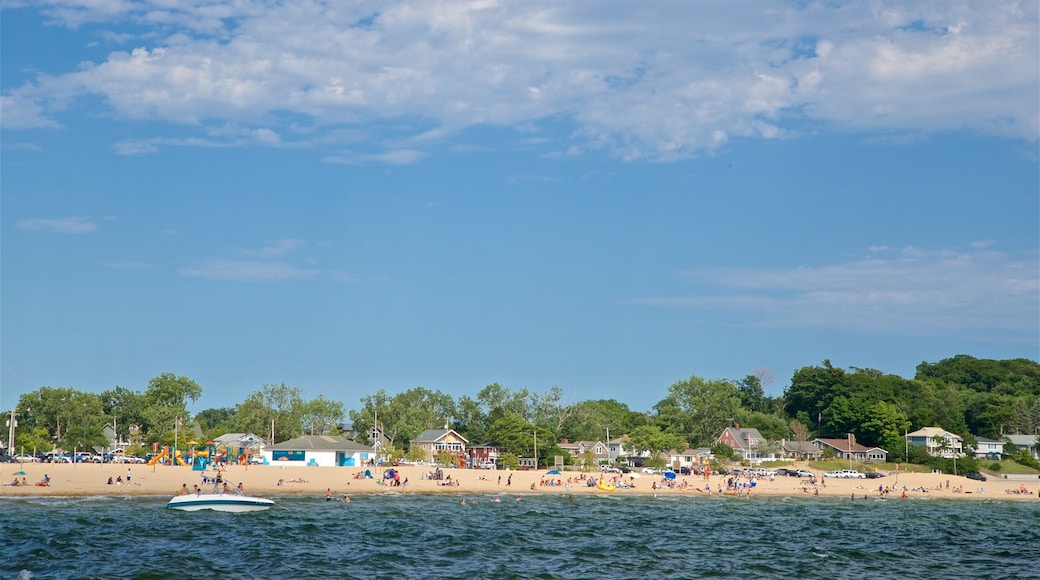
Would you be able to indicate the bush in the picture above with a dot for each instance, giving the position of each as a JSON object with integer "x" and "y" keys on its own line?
{"x": 995, "y": 466}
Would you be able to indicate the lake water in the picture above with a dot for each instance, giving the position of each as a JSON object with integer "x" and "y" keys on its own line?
{"x": 615, "y": 536}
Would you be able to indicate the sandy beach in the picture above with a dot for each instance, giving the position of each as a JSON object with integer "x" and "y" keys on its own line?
{"x": 264, "y": 480}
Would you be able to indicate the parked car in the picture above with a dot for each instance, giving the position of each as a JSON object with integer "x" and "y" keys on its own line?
{"x": 804, "y": 473}
{"x": 8, "y": 459}
{"x": 874, "y": 475}
{"x": 975, "y": 475}
{"x": 26, "y": 458}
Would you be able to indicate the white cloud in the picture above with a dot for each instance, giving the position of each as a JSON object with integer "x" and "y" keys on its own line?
{"x": 661, "y": 81}
{"x": 70, "y": 225}
{"x": 248, "y": 271}
{"x": 981, "y": 294}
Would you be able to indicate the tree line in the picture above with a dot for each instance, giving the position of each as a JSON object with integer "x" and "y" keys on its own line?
{"x": 968, "y": 396}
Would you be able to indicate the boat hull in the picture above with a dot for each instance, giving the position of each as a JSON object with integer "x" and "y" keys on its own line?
{"x": 219, "y": 502}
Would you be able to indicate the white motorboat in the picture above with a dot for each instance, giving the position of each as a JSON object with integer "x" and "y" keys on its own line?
{"x": 222, "y": 502}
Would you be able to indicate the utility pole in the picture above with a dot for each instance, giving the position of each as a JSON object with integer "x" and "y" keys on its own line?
{"x": 11, "y": 423}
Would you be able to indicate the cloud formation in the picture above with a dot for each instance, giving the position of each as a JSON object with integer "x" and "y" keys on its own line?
{"x": 70, "y": 225}
{"x": 661, "y": 81}
{"x": 980, "y": 294}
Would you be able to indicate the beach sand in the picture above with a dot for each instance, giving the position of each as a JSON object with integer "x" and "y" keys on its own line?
{"x": 266, "y": 480}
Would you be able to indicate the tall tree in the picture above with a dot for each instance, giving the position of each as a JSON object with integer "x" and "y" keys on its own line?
{"x": 166, "y": 403}
{"x": 710, "y": 404}
{"x": 320, "y": 416}
{"x": 275, "y": 411}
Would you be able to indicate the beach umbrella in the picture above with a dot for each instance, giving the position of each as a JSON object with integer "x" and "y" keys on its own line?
{"x": 552, "y": 472}
{"x": 20, "y": 472}
{"x": 669, "y": 475}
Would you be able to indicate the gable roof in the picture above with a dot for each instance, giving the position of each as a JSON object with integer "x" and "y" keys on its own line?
{"x": 435, "y": 435}
{"x": 745, "y": 437}
{"x": 843, "y": 445}
{"x": 320, "y": 443}
{"x": 240, "y": 439}
{"x": 930, "y": 432}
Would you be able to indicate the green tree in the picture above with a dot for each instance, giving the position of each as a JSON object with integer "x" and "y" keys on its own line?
{"x": 216, "y": 422}
{"x": 519, "y": 437}
{"x": 275, "y": 411}
{"x": 652, "y": 439}
{"x": 166, "y": 403}
{"x": 886, "y": 426}
{"x": 321, "y": 416}
{"x": 710, "y": 406}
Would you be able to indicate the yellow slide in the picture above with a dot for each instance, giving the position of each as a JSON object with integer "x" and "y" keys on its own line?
{"x": 158, "y": 458}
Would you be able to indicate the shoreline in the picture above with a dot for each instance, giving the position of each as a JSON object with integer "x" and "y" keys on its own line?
{"x": 88, "y": 480}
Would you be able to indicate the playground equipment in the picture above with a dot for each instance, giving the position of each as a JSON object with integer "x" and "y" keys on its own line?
{"x": 165, "y": 455}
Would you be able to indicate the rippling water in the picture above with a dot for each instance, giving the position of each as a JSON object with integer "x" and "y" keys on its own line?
{"x": 417, "y": 536}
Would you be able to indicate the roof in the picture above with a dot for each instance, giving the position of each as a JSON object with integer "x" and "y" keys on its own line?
{"x": 241, "y": 439}
{"x": 987, "y": 440}
{"x": 434, "y": 435}
{"x": 1022, "y": 440}
{"x": 843, "y": 445}
{"x": 320, "y": 443}
{"x": 745, "y": 437}
{"x": 800, "y": 447}
{"x": 930, "y": 432}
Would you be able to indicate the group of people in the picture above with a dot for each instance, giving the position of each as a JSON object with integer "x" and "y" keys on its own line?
{"x": 219, "y": 488}
{"x": 23, "y": 483}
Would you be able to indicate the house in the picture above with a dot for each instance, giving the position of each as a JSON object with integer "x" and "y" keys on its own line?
{"x": 937, "y": 442}
{"x": 320, "y": 450}
{"x": 988, "y": 448}
{"x": 621, "y": 448}
{"x": 1027, "y": 442}
{"x": 689, "y": 458}
{"x": 578, "y": 449}
{"x": 847, "y": 448}
{"x": 800, "y": 450}
{"x": 484, "y": 455}
{"x": 744, "y": 442}
{"x": 434, "y": 441}
{"x": 237, "y": 444}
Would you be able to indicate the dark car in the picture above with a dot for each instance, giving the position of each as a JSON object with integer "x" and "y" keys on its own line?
{"x": 874, "y": 475}
{"x": 975, "y": 475}
{"x": 7, "y": 459}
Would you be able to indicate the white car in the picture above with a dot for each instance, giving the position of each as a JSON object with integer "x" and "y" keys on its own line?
{"x": 26, "y": 458}
{"x": 649, "y": 470}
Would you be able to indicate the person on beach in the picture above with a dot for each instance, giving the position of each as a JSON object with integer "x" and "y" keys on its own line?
{"x": 509, "y": 480}
{"x": 240, "y": 490}
{"x": 128, "y": 475}
{"x": 109, "y": 480}
{"x": 328, "y": 494}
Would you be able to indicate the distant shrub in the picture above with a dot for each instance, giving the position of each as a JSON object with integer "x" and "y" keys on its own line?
{"x": 995, "y": 466}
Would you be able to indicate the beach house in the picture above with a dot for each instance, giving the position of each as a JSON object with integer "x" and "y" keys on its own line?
{"x": 847, "y": 448}
{"x": 988, "y": 448}
{"x": 595, "y": 451}
{"x": 434, "y": 441}
{"x": 747, "y": 443}
{"x": 1025, "y": 442}
{"x": 937, "y": 442}
{"x": 319, "y": 450}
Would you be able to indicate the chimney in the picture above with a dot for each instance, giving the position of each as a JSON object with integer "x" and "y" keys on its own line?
{"x": 564, "y": 441}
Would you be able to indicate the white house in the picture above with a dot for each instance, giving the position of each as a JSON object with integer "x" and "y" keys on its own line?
{"x": 988, "y": 448}
{"x": 320, "y": 450}
{"x": 937, "y": 441}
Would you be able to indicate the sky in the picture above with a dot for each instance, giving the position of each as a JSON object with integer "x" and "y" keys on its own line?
{"x": 605, "y": 197}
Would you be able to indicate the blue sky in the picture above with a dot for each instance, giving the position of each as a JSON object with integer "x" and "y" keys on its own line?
{"x": 605, "y": 197}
